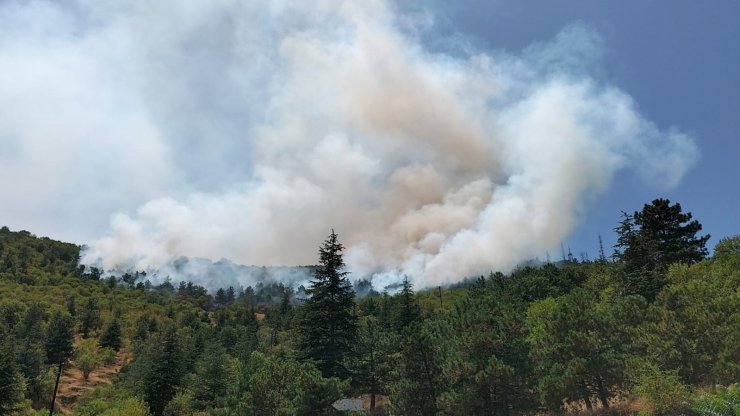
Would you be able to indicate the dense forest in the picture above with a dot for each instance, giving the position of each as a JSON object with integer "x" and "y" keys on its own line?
{"x": 652, "y": 327}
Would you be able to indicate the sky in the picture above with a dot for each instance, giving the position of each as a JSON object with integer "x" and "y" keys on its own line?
{"x": 679, "y": 60}
{"x": 440, "y": 139}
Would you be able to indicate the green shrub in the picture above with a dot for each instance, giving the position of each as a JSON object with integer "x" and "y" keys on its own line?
{"x": 725, "y": 403}
{"x": 662, "y": 390}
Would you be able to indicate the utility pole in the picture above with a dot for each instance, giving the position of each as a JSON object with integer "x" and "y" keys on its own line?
{"x": 56, "y": 387}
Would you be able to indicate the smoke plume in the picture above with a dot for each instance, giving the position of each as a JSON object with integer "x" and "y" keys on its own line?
{"x": 248, "y": 130}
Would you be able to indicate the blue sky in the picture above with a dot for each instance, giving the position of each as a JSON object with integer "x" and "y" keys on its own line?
{"x": 679, "y": 60}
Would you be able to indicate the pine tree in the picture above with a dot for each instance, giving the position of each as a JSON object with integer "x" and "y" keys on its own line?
{"x": 162, "y": 371}
{"x": 651, "y": 240}
{"x": 220, "y": 298}
{"x": 375, "y": 360}
{"x": 90, "y": 317}
{"x": 31, "y": 355}
{"x": 407, "y": 310}
{"x": 421, "y": 382}
{"x": 488, "y": 360}
{"x": 11, "y": 379}
{"x": 59, "y": 345}
{"x": 230, "y": 294}
{"x": 72, "y": 305}
{"x": 111, "y": 337}
{"x": 328, "y": 327}
{"x": 212, "y": 375}
{"x": 59, "y": 338}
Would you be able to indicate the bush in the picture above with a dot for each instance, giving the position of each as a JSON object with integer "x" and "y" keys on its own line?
{"x": 661, "y": 390}
{"x": 108, "y": 356}
{"x": 88, "y": 357}
{"x": 118, "y": 407}
{"x": 180, "y": 405}
{"x": 725, "y": 403}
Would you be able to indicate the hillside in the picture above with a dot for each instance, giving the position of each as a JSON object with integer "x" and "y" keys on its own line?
{"x": 563, "y": 337}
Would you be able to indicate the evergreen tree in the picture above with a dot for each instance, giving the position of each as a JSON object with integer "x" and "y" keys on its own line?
{"x": 90, "y": 316}
{"x": 651, "y": 240}
{"x": 220, "y": 298}
{"x": 696, "y": 326}
{"x": 580, "y": 345}
{"x": 59, "y": 338}
{"x": 421, "y": 382}
{"x": 212, "y": 376}
{"x": 328, "y": 327}
{"x": 59, "y": 345}
{"x": 488, "y": 363}
{"x": 407, "y": 310}
{"x": 72, "y": 305}
{"x": 282, "y": 386}
{"x": 111, "y": 337}
{"x": 161, "y": 367}
{"x": 11, "y": 380}
{"x": 374, "y": 361}
{"x": 285, "y": 312}
{"x": 31, "y": 355}
{"x": 230, "y": 294}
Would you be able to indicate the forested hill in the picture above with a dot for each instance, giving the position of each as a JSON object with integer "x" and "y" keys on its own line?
{"x": 28, "y": 259}
{"x": 654, "y": 329}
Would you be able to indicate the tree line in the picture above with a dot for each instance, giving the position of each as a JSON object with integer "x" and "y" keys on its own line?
{"x": 658, "y": 321}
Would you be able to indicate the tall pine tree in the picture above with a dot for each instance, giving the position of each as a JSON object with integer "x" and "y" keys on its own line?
{"x": 329, "y": 326}
{"x": 651, "y": 240}
{"x": 407, "y": 309}
{"x": 162, "y": 370}
{"x": 59, "y": 347}
{"x": 90, "y": 317}
{"x": 11, "y": 380}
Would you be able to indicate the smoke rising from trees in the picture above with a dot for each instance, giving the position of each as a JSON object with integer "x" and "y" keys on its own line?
{"x": 249, "y": 129}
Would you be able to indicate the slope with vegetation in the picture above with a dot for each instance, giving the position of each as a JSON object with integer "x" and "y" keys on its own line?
{"x": 655, "y": 330}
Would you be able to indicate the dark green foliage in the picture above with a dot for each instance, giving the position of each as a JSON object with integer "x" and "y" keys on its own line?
{"x": 281, "y": 386}
{"x": 407, "y": 309}
{"x": 192, "y": 293}
{"x": 285, "y": 312}
{"x": 328, "y": 325}
{"x": 488, "y": 365}
{"x": 142, "y": 329}
{"x": 375, "y": 360}
{"x": 651, "y": 240}
{"x": 220, "y": 298}
{"x": 32, "y": 354}
{"x": 59, "y": 338}
{"x": 160, "y": 371}
{"x": 12, "y": 385}
{"x": 111, "y": 337}
{"x": 580, "y": 343}
{"x": 699, "y": 304}
{"x": 421, "y": 382}
{"x": 90, "y": 317}
{"x": 72, "y": 306}
{"x": 212, "y": 377}
{"x": 530, "y": 283}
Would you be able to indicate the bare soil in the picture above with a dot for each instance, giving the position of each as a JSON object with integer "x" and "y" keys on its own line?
{"x": 72, "y": 384}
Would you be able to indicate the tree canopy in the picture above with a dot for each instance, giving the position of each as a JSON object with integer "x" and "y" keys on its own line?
{"x": 652, "y": 239}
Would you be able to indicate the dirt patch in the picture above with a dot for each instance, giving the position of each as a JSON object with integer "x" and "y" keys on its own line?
{"x": 72, "y": 383}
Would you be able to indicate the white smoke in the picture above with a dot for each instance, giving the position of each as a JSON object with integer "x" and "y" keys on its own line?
{"x": 249, "y": 129}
